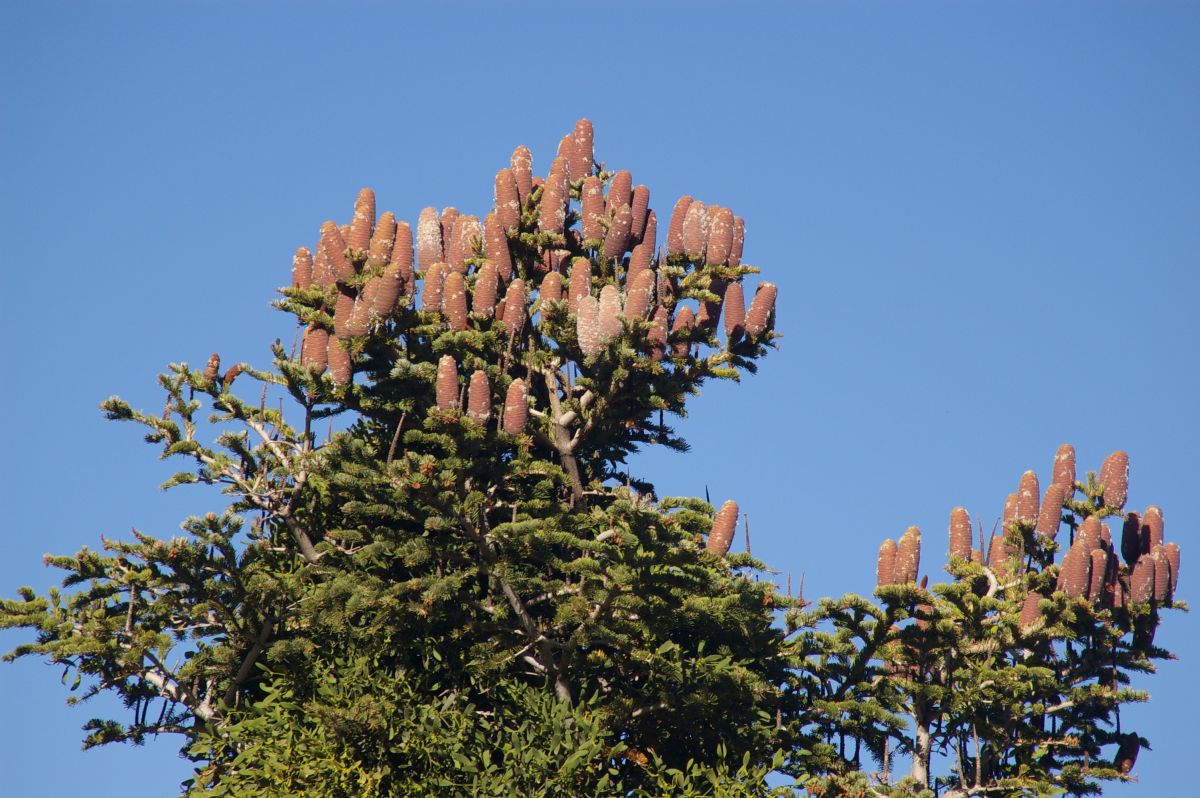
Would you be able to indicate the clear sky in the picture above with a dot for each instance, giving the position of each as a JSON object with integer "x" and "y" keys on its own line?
{"x": 984, "y": 220}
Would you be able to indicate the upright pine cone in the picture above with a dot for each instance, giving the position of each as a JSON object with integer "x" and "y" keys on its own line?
{"x": 885, "y": 566}
{"x": 551, "y": 288}
{"x": 710, "y": 312}
{"x": 508, "y": 202}
{"x": 735, "y": 311}
{"x": 720, "y": 237}
{"x": 552, "y": 212}
{"x": 470, "y": 234}
{"x": 454, "y": 301}
{"x": 431, "y": 294}
{"x": 454, "y": 249}
{"x": 522, "y": 169}
{"x": 1089, "y": 533}
{"x": 1141, "y": 582}
{"x": 739, "y": 240}
{"x": 587, "y": 325}
{"x": 429, "y": 239}
{"x": 1152, "y": 520}
{"x": 684, "y": 321}
{"x": 658, "y": 333}
{"x": 360, "y": 316}
{"x": 591, "y": 201}
{"x": 334, "y": 250}
{"x": 495, "y": 246}
{"x": 1114, "y": 479}
{"x": 999, "y": 557}
{"x": 695, "y": 241}
{"x": 1027, "y": 498}
{"x": 446, "y": 385}
{"x": 363, "y": 224}
{"x": 483, "y": 301}
{"x": 387, "y": 290}
{"x": 341, "y": 313}
{"x": 1162, "y": 573}
{"x": 383, "y": 241}
{"x": 675, "y": 228}
{"x": 479, "y": 397}
{"x": 340, "y": 366}
{"x": 650, "y": 234}
{"x": 314, "y": 350}
{"x": 1031, "y": 613}
{"x": 448, "y": 220}
{"x": 1098, "y": 572}
{"x": 664, "y": 286}
{"x": 212, "y": 368}
{"x": 1050, "y": 513}
{"x": 402, "y": 257}
{"x": 582, "y": 152}
{"x": 514, "y": 308}
{"x": 1133, "y": 538}
{"x": 610, "y": 312}
{"x": 620, "y": 192}
{"x": 1171, "y": 550}
{"x": 581, "y": 282}
{"x": 960, "y": 534}
{"x": 1064, "y": 468}
{"x": 637, "y": 299}
{"x": 302, "y": 268}
{"x": 616, "y": 240}
{"x": 639, "y": 262}
{"x": 1076, "y": 571}
{"x": 720, "y": 537}
{"x": 515, "y": 409}
{"x": 762, "y": 309}
{"x": 1010, "y": 511}
{"x": 231, "y": 375}
{"x": 639, "y": 205}
{"x": 908, "y": 556}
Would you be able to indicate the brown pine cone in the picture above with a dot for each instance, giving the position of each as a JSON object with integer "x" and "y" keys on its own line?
{"x": 551, "y": 288}
{"x": 908, "y": 556}
{"x": 610, "y": 312}
{"x": 1050, "y": 513}
{"x": 1162, "y": 573}
{"x": 616, "y": 240}
{"x": 383, "y": 241}
{"x": 658, "y": 333}
{"x": 470, "y": 234}
{"x": 212, "y": 368}
{"x": 334, "y": 247}
{"x": 1134, "y": 538}
{"x": 739, "y": 240}
{"x": 479, "y": 397}
{"x": 341, "y": 313}
{"x": 552, "y": 211}
{"x": 580, "y": 283}
{"x": 720, "y": 537}
{"x": 650, "y": 234}
{"x": 1152, "y": 520}
{"x": 1127, "y": 753}
{"x": 363, "y": 224}
{"x": 639, "y": 261}
{"x": 582, "y": 152}
{"x": 735, "y": 311}
{"x": 495, "y": 246}
{"x": 1171, "y": 550}
{"x": 402, "y": 258}
{"x": 620, "y": 192}
{"x": 487, "y": 284}
{"x": 1010, "y": 511}
{"x": 431, "y": 294}
{"x": 446, "y": 385}
{"x": 429, "y": 239}
{"x": 508, "y": 202}
{"x": 522, "y": 169}
{"x": 302, "y": 268}
{"x": 1064, "y": 469}
{"x": 1114, "y": 479}
{"x": 454, "y": 301}
{"x": 960, "y": 534}
{"x": 386, "y": 293}
{"x": 1141, "y": 582}
{"x": 675, "y": 229}
{"x": 454, "y": 248}
{"x": 587, "y": 325}
{"x": 591, "y": 203}
{"x": 684, "y": 321}
{"x": 694, "y": 233}
{"x": 231, "y": 375}
{"x": 340, "y": 366}
{"x": 720, "y": 237}
{"x": 640, "y": 206}
{"x": 762, "y": 309}
{"x": 885, "y": 567}
{"x": 710, "y": 312}
{"x": 516, "y": 411}
{"x": 314, "y": 350}
{"x": 514, "y": 308}
{"x": 1031, "y": 613}
{"x": 447, "y": 222}
{"x": 637, "y": 299}
{"x": 360, "y": 317}
{"x": 1089, "y": 532}
{"x": 999, "y": 557}
{"x": 1076, "y": 570}
{"x": 1098, "y": 573}
{"x": 1027, "y": 498}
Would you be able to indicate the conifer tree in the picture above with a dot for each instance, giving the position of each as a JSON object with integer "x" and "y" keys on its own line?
{"x": 460, "y": 588}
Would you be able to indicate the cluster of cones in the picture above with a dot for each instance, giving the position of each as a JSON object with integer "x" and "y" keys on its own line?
{"x": 467, "y": 272}
{"x": 1091, "y": 568}
{"x": 478, "y": 399}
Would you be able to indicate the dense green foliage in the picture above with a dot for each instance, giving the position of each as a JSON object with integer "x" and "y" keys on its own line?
{"x": 462, "y": 590}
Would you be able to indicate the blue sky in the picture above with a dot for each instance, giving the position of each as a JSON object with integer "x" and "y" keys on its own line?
{"x": 984, "y": 220}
